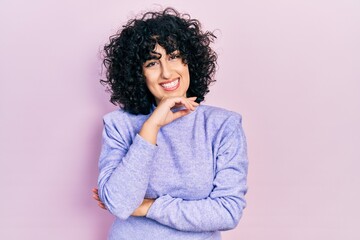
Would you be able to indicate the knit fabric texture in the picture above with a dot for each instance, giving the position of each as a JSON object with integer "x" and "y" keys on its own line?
{"x": 197, "y": 173}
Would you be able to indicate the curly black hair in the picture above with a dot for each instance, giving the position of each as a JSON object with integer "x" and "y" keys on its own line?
{"x": 131, "y": 46}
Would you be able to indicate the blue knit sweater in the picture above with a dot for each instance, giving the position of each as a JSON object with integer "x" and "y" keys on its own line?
{"x": 196, "y": 172}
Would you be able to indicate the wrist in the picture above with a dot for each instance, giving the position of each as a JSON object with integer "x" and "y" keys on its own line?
{"x": 149, "y": 132}
{"x": 151, "y": 125}
{"x": 148, "y": 204}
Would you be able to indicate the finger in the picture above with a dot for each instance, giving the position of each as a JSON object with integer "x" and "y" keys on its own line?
{"x": 192, "y": 98}
{"x": 179, "y": 102}
{"x": 102, "y": 205}
{"x": 195, "y": 104}
{"x": 191, "y": 107}
{"x": 96, "y": 197}
{"x": 187, "y": 103}
{"x": 95, "y": 190}
{"x": 192, "y": 101}
{"x": 182, "y": 101}
{"x": 191, "y": 104}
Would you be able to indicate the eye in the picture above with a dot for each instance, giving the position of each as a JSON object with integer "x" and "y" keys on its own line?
{"x": 174, "y": 56}
{"x": 150, "y": 64}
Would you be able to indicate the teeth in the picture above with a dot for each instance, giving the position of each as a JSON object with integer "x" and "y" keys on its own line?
{"x": 170, "y": 84}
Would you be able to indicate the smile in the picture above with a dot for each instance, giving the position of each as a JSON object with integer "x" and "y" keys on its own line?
{"x": 170, "y": 86}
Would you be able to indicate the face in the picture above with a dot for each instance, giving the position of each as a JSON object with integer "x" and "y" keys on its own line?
{"x": 167, "y": 76}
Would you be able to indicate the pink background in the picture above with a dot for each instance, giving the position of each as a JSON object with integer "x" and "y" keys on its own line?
{"x": 291, "y": 68}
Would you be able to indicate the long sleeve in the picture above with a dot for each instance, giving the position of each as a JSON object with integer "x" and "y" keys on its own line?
{"x": 125, "y": 166}
{"x": 223, "y": 208}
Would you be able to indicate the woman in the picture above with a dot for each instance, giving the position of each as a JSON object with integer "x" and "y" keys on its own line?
{"x": 170, "y": 168}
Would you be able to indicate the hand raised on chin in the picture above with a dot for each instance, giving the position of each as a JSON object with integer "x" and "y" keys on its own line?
{"x": 163, "y": 115}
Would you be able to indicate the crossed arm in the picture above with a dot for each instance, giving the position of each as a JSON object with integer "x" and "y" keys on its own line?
{"x": 141, "y": 211}
{"x": 221, "y": 210}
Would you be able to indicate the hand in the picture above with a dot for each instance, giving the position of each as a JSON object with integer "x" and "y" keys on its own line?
{"x": 163, "y": 115}
{"x": 96, "y": 197}
{"x": 141, "y": 211}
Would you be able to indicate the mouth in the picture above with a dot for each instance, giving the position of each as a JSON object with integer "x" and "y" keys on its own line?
{"x": 171, "y": 86}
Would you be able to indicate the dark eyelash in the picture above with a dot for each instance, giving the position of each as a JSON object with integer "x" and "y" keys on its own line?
{"x": 174, "y": 55}
{"x": 150, "y": 64}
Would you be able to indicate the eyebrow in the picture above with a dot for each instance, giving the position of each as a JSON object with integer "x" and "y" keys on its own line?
{"x": 156, "y": 55}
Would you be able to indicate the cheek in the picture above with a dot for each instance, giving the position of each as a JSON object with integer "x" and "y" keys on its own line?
{"x": 187, "y": 73}
{"x": 151, "y": 76}
{"x": 183, "y": 70}
{"x": 148, "y": 79}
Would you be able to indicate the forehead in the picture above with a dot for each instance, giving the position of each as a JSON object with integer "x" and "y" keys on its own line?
{"x": 158, "y": 49}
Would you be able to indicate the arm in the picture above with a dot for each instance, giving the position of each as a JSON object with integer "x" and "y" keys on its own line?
{"x": 125, "y": 167}
{"x": 124, "y": 170}
{"x": 223, "y": 208}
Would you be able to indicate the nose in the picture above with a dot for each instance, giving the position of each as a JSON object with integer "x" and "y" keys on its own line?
{"x": 165, "y": 70}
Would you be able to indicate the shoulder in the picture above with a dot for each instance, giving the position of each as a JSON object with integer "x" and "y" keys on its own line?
{"x": 120, "y": 123}
{"x": 115, "y": 115}
{"x": 121, "y": 117}
{"x": 225, "y": 125}
{"x": 219, "y": 115}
